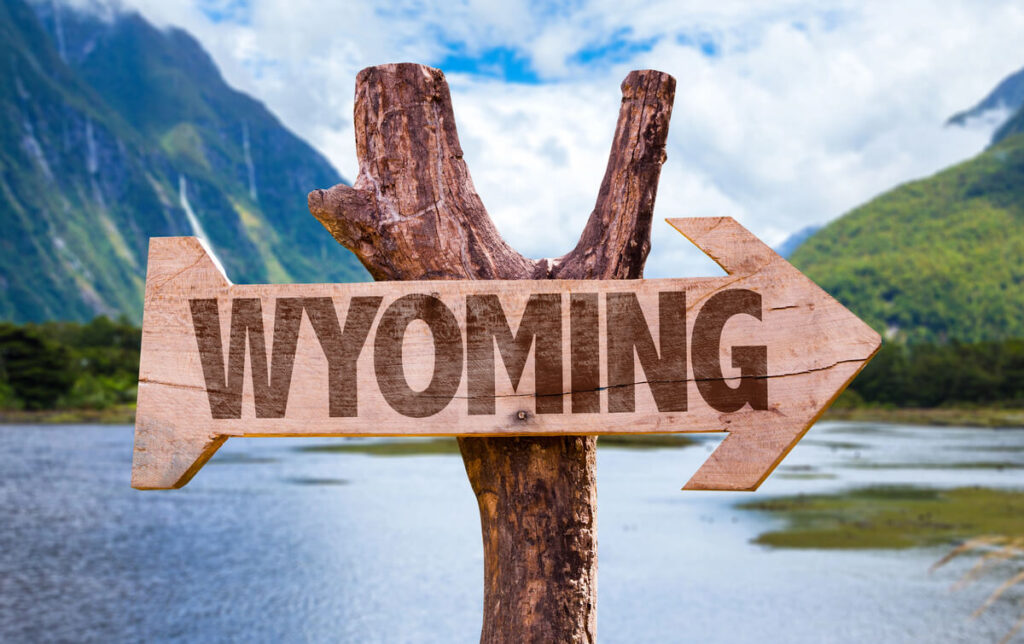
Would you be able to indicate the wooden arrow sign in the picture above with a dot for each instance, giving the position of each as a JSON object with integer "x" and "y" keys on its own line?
{"x": 760, "y": 353}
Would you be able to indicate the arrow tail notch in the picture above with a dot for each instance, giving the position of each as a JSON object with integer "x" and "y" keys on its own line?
{"x": 166, "y": 458}
{"x": 172, "y": 436}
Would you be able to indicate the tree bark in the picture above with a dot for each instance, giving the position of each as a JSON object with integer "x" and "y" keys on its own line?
{"x": 414, "y": 214}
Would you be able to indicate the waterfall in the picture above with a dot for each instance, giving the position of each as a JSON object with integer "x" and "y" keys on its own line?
{"x": 58, "y": 28}
{"x": 197, "y": 228}
{"x": 92, "y": 163}
{"x": 248, "y": 162}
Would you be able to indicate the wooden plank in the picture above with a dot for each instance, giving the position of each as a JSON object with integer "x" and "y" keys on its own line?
{"x": 423, "y": 366}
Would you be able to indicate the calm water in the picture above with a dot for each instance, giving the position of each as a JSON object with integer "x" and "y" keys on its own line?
{"x": 271, "y": 544}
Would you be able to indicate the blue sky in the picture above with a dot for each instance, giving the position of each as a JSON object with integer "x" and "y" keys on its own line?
{"x": 502, "y": 63}
{"x": 786, "y": 113}
{"x": 506, "y": 61}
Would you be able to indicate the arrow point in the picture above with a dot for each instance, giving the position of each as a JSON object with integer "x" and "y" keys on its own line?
{"x": 763, "y": 438}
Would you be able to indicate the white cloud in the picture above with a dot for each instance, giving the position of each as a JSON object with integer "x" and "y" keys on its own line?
{"x": 806, "y": 111}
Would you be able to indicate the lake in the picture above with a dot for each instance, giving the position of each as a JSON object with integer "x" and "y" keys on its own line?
{"x": 271, "y": 543}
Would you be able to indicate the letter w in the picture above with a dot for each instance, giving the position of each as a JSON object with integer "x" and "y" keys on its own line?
{"x": 270, "y": 390}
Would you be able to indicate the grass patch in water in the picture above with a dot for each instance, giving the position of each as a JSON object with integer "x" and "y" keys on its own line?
{"x": 802, "y": 473}
{"x": 644, "y": 441}
{"x": 239, "y": 458}
{"x": 891, "y": 517}
{"x": 969, "y": 465}
{"x": 305, "y": 480}
{"x": 833, "y": 444}
{"x": 988, "y": 448}
{"x": 403, "y": 447}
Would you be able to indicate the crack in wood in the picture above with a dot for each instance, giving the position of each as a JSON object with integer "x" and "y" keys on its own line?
{"x": 769, "y": 376}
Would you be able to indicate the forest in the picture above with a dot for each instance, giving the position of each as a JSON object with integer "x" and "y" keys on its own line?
{"x": 68, "y": 365}
{"x": 936, "y": 375}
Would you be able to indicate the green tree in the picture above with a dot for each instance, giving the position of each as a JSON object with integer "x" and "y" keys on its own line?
{"x": 36, "y": 369}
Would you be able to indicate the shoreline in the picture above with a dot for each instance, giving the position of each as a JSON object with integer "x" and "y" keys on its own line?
{"x": 982, "y": 417}
{"x": 985, "y": 417}
{"x": 119, "y": 415}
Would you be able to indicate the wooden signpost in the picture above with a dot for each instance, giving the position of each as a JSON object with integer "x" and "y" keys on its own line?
{"x": 487, "y": 345}
{"x": 759, "y": 353}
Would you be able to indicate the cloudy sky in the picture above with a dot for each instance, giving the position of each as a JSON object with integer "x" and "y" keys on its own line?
{"x": 787, "y": 114}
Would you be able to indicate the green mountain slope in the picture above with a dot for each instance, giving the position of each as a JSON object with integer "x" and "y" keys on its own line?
{"x": 933, "y": 260}
{"x": 113, "y": 131}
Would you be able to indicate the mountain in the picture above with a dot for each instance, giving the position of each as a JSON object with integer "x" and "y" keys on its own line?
{"x": 114, "y": 131}
{"x": 937, "y": 259}
{"x": 791, "y": 243}
{"x": 1008, "y": 95}
{"x": 1015, "y": 125}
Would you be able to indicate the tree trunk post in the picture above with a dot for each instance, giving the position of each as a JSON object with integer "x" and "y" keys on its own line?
{"x": 413, "y": 214}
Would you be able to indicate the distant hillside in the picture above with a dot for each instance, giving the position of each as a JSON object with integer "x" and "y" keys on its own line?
{"x": 113, "y": 131}
{"x": 791, "y": 243}
{"x": 1007, "y": 95}
{"x": 937, "y": 259}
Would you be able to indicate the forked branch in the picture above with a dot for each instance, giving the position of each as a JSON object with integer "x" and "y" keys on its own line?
{"x": 414, "y": 214}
